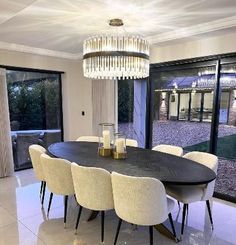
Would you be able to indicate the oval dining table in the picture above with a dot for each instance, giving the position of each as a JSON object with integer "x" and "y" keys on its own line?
{"x": 169, "y": 169}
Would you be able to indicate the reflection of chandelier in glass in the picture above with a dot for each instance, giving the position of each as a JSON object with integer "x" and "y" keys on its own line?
{"x": 116, "y": 57}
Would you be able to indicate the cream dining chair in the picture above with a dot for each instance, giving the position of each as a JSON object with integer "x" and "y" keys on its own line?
{"x": 88, "y": 138}
{"x": 141, "y": 201}
{"x": 35, "y": 152}
{"x": 131, "y": 142}
{"x": 190, "y": 194}
{"x": 170, "y": 149}
{"x": 59, "y": 179}
{"x": 93, "y": 191}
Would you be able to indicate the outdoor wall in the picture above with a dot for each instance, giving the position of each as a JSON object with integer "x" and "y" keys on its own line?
{"x": 195, "y": 48}
{"x": 77, "y": 90}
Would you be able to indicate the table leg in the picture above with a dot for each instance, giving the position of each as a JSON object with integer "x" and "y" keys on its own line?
{"x": 166, "y": 232}
{"x": 93, "y": 215}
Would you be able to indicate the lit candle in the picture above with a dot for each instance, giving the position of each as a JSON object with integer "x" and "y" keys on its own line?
{"x": 106, "y": 139}
{"x": 120, "y": 145}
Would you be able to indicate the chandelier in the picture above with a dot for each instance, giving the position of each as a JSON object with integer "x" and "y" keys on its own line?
{"x": 116, "y": 57}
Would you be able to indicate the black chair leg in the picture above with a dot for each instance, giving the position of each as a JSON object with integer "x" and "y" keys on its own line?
{"x": 172, "y": 225}
{"x": 209, "y": 212}
{"x": 102, "y": 224}
{"x": 151, "y": 234}
{"x": 65, "y": 209}
{"x": 50, "y": 201}
{"x": 78, "y": 218}
{"x": 183, "y": 219}
{"x": 118, "y": 231}
{"x": 43, "y": 190}
{"x": 178, "y": 204}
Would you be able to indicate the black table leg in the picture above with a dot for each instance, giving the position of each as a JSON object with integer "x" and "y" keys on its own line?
{"x": 166, "y": 232}
{"x": 93, "y": 215}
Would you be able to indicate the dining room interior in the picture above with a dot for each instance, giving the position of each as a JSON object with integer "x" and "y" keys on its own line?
{"x": 117, "y": 122}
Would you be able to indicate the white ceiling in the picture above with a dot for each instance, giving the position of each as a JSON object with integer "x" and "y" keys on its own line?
{"x": 58, "y": 27}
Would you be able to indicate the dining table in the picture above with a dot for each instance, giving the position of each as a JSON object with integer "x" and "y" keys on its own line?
{"x": 168, "y": 168}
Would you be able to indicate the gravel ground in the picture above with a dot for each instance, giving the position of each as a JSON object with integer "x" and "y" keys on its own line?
{"x": 226, "y": 177}
{"x": 190, "y": 133}
{"x": 185, "y": 133}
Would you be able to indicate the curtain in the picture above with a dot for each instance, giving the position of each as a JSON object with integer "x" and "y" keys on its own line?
{"x": 104, "y": 103}
{"x": 6, "y": 156}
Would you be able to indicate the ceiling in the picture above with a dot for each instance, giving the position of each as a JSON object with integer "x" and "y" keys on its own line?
{"x": 59, "y": 27}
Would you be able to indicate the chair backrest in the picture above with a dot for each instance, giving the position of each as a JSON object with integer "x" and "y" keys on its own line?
{"x": 93, "y": 188}
{"x": 170, "y": 149}
{"x": 131, "y": 142}
{"x": 35, "y": 152}
{"x": 210, "y": 161}
{"x": 58, "y": 176}
{"x": 139, "y": 200}
{"x": 88, "y": 138}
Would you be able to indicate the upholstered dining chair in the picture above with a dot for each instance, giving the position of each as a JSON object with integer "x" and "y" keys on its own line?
{"x": 141, "y": 201}
{"x": 131, "y": 142}
{"x": 59, "y": 179}
{"x": 170, "y": 149}
{"x": 35, "y": 152}
{"x": 93, "y": 191}
{"x": 88, "y": 138}
{"x": 189, "y": 194}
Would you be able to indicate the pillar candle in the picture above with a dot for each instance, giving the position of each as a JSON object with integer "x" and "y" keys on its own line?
{"x": 106, "y": 139}
{"x": 120, "y": 144}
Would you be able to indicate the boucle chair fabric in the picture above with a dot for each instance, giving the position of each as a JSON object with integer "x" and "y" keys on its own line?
{"x": 93, "y": 188}
{"x": 88, "y": 138}
{"x": 58, "y": 175}
{"x": 210, "y": 161}
{"x": 35, "y": 152}
{"x": 193, "y": 193}
{"x": 131, "y": 142}
{"x": 170, "y": 149}
{"x": 140, "y": 200}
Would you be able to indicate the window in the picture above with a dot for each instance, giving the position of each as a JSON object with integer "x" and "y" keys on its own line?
{"x": 35, "y": 112}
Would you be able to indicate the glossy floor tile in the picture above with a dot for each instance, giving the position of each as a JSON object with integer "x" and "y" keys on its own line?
{"x": 23, "y": 220}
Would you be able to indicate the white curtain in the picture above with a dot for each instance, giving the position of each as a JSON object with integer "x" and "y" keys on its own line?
{"x": 6, "y": 157}
{"x": 104, "y": 103}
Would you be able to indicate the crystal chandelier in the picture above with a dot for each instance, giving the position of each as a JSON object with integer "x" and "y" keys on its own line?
{"x": 116, "y": 57}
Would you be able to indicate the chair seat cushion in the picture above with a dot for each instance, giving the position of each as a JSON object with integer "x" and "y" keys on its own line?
{"x": 185, "y": 194}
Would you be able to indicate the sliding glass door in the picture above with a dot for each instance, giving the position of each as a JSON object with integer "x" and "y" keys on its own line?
{"x": 196, "y": 104}
{"x": 189, "y": 110}
{"x": 35, "y": 112}
{"x": 226, "y": 143}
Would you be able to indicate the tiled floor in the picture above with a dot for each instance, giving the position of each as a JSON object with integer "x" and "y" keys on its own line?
{"x": 22, "y": 221}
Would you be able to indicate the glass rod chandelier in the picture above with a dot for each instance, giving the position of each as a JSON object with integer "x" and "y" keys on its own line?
{"x": 116, "y": 57}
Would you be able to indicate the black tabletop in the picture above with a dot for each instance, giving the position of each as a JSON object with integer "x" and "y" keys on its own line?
{"x": 140, "y": 162}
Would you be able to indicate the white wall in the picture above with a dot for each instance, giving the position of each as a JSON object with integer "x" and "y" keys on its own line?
{"x": 77, "y": 90}
{"x": 195, "y": 48}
